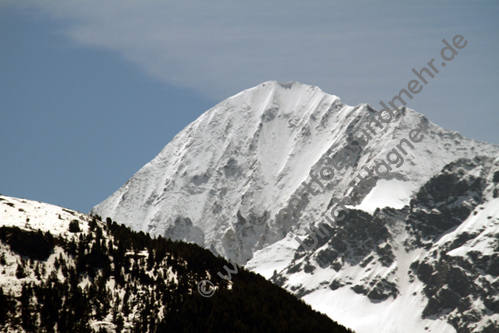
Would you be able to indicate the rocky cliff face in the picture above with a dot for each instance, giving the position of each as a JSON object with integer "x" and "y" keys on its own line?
{"x": 436, "y": 257}
{"x": 223, "y": 180}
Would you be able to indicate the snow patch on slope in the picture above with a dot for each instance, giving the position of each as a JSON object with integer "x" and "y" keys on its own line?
{"x": 388, "y": 193}
{"x": 483, "y": 223}
{"x": 272, "y": 258}
{"x": 362, "y": 315}
{"x": 34, "y": 215}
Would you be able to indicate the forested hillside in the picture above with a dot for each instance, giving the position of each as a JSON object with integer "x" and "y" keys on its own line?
{"x": 103, "y": 277}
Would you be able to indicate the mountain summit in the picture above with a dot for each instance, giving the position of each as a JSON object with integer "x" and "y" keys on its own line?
{"x": 225, "y": 175}
{"x": 223, "y": 181}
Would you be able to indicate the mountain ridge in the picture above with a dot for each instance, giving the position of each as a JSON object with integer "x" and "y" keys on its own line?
{"x": 222, "y": 181}
{"x": 176, "y": 193}
{"x": 61, "y": 270}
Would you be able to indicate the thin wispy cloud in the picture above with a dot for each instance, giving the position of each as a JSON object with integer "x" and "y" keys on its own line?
{"x": 220, "y": 48}
{"x": 362, "y": 52}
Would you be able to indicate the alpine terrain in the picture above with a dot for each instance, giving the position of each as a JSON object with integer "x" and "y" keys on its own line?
{"x": 64, "y": 271}
{"x": 415, "y": 249}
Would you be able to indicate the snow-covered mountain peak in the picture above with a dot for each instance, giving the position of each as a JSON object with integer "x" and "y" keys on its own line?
{"x": 272, "y": 100}
{"x": 249, "y": 144}
{"x": 223, "y": 179}
{"x": 286, "y": 94}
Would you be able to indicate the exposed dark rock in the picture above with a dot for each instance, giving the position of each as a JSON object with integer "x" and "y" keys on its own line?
{"x": 424, "y": 272}
{"x": 326, "y": 256}
{"x": 386, "y": 256}
{"x": 295, "y": 268}
{"x": 472, "y": 316}
{"x": 493, "y": 267}
{"x": 448, "y": 298}
{"x": 360, "y": 289}
{"x": 495, "y": 284}
{"x": 280, "y": 280}
{"x": 490, "y": 327}
{"x": 335, "y": 284}
{"x": 458, "y": 281}
{"x": 464, "y": 304}
{"x": 366, "y": 261}
{"x": 308, "y": 268}
{"x": 460, "y": 240}
{"x": 336, "y": 266}
{"x": 382, "y": 290}
{"x": 302, "y": 291}
{"x": 445, "y": 299}
{"x": 492, "y": 303}
{"x": 436, "y": 207}
{"x": 432, "y": 307}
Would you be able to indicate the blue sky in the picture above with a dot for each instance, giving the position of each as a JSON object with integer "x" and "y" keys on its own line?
{"x": 91, "y": 91}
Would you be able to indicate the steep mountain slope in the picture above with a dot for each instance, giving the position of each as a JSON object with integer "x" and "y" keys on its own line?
{"x": 413, "y": 251}
{"x": 221, "y": 181}
{"x": 63, "y": 271}
{"x": 430, "y": 266}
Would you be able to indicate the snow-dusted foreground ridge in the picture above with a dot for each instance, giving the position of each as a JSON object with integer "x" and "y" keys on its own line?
{"x": 34, "y": 215}
{"x": 223, "y": 179}
{"x": 63, "y": 271}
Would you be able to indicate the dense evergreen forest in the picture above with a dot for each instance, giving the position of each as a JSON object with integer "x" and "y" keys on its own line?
{"x": 112, "y": 279}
